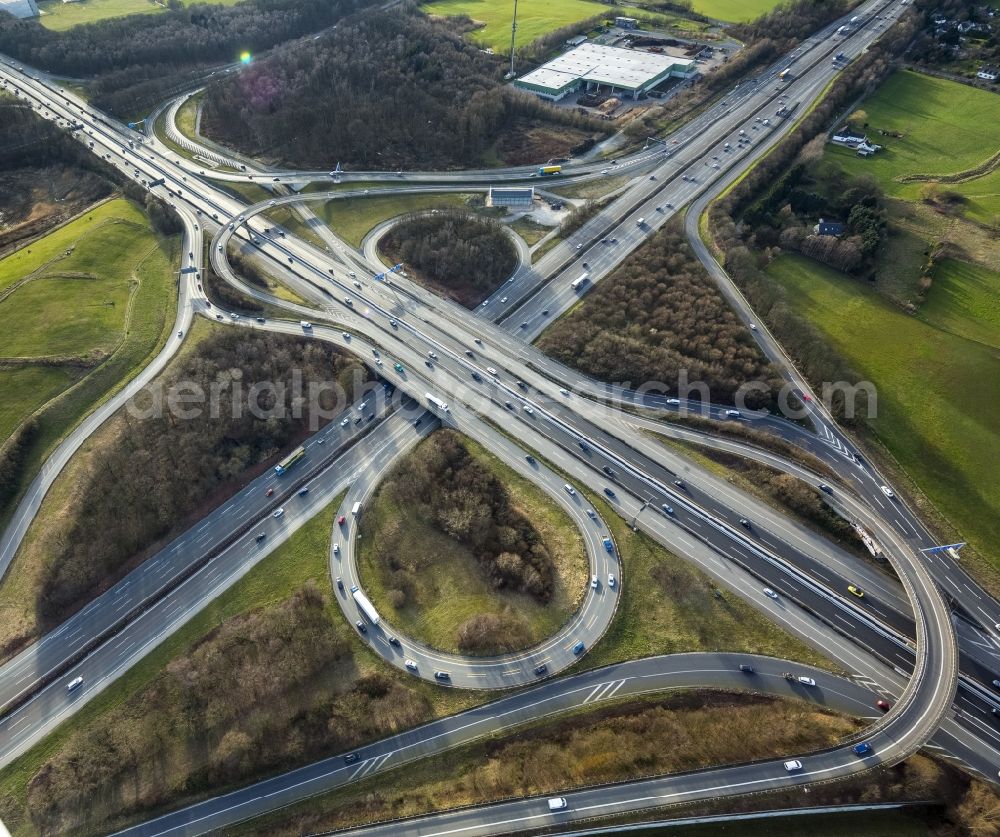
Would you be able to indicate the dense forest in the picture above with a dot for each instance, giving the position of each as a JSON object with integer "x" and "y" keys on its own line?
{"x": 382, "y": 91}
{"x": 160, "y": 469}
{"x": 447, "y": 486}
{"x": 657, "y": 318}
{"x": 134, "y": 62}
{"x": 463, "y": 255}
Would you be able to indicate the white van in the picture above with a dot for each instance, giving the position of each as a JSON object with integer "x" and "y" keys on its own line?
{"x": 356, "y": 510}
{"x": 640, "y": 222}
{"x": 557, "y": 803}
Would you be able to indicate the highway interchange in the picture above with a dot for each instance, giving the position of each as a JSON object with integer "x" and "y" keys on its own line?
{"x": 902, "y": 640}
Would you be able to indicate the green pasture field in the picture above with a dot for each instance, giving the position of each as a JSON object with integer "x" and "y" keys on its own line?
{"x": 937, "y": 388}
{"x": 54, "y": 14}
{"x": 946, "y": 128}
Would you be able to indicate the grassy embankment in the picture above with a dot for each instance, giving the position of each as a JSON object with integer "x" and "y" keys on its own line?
{"x": 592, "y": 188}
{"x": 83, "y": 323}
{"x": 187, "y": 115}
{"x": 353, "y": 218}
{"x": 445, "y": 586}
{"x": 531, "y": 231}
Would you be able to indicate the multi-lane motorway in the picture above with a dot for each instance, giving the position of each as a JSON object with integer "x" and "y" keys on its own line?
{"x": 494, "y": 380}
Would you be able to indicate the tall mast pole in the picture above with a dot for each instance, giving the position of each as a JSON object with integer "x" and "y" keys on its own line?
{"x": 513, "y": 31}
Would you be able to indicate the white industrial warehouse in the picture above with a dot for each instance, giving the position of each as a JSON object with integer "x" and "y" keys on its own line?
{"x": 594, "y": 66}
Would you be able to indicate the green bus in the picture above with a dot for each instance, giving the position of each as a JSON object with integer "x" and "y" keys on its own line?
{"x": 289, "y": 460}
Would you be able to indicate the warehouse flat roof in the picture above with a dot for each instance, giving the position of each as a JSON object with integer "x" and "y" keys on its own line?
{"x": 548, "y": 78}
{"x": 624, "y": 68}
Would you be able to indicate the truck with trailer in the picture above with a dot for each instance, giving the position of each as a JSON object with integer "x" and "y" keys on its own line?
{"x": 365, "y": 606}
{"x": 785, "y": 74}
{"x": 579, "y": 282}
{"x": 437, "y": 403}
{"x": 547, "y": 170}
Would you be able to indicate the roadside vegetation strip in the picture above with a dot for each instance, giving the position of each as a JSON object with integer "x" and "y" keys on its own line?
{"x": 787, "y": 494}
{"x": 613, "y": 742}
{"x": 593, "y": 188}
{"x": 937, "y": 392}
{"x": 460, "y": 552}
{"x": 760, "y": 441}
